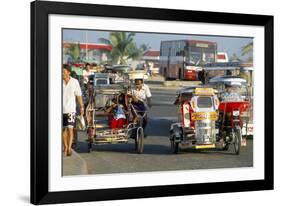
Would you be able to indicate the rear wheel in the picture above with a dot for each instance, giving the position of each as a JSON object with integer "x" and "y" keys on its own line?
{"x": 237, "y": 140}
{"x": 139, "y": 141}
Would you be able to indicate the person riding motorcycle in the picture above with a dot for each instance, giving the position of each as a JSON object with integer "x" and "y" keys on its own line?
{"x": 231, "y": 94}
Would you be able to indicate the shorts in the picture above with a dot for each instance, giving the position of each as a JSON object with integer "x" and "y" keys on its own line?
{"x": 117, "y": 123}
{"x": 69, "y": 120}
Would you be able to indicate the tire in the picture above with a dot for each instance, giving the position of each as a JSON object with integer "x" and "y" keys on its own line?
{"x": 237, "y": 140}
{"x": 139, "y": 140}
{"x": 134, "y": 136}
{"x": 174, "y": 146}
{"x": 136, "y": 144}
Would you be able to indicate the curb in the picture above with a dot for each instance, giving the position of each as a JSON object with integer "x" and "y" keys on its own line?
{"x": 74, "y": 165}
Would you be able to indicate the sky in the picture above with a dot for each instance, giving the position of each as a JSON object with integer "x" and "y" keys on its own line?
{"x": 231, "y": 45}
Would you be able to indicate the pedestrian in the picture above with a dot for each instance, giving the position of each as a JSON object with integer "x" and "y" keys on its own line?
{"x": 86, "y": 73}
{"x": 141, "y": 98}
{"x": 74, "y": 75}
{"x": 202, "y": 76}
{"x": 71, "y": 92}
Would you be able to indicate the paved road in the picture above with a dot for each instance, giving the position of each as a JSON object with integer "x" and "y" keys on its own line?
{"x": 157, "y": 155}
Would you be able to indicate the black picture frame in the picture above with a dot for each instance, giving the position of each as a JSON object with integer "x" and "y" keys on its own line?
{"x": 39, "y": 102}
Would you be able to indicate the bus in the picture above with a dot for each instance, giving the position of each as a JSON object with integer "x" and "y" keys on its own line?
{"x": 183, "y": 59}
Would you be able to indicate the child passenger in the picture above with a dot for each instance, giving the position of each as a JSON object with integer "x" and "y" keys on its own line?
{"x": 119, "y": 113}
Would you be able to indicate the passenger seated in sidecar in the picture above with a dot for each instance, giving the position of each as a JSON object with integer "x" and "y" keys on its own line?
{"x": 117, "y": 107}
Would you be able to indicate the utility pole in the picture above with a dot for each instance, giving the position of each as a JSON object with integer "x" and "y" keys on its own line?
{"x": 87, "y": 54}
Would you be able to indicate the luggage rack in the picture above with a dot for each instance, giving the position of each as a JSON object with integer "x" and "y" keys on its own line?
{"x": 107, "y": 136}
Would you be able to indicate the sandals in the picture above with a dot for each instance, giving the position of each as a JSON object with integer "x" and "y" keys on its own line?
{"x": 69, "y": 152}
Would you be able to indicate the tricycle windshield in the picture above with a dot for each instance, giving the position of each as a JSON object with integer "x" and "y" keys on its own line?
{"x": 204, "y": 102}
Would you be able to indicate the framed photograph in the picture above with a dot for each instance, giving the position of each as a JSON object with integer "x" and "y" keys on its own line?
{"x": 131, "y": 102}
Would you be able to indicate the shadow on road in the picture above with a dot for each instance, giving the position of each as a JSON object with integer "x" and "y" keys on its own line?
{"x": 159, "y": 127}
{"x": 124, "y": 148}
{"x": 150, "y": 149}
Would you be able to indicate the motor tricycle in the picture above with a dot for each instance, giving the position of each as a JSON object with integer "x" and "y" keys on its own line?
{"x": 220, "y": 71}
{"x": 232, "y": 105}
{"x": 197, "y": 116}
{"x": 102, "y": 125}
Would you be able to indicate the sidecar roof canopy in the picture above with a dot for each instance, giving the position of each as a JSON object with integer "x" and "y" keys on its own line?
{"x": 137, "y": 74}
{"x": 187, "y": 90}
{"x": 198, "y": 90}
{"x": 228, "y": 80}
{"x": 110, "y": 89}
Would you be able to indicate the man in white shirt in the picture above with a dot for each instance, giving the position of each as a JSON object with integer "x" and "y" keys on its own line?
{"x": 71, "y": 90}
{"x": 141, "y": 92}
{"x": 86, "y": 73}
{"x": 141, "y": 96}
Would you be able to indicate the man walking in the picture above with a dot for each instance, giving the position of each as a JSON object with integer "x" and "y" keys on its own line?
{"x": 71, "y": 90}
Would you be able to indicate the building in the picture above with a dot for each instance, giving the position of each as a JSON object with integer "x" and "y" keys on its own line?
{"x": 151, "y": 58}
{"x": 222, "y": 57}
{"x": 90, "y": 52}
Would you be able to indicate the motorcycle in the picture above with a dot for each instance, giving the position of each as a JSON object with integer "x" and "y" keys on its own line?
{"x": 231, "y": 108}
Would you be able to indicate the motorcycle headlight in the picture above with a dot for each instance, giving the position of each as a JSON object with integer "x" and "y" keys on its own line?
{"x": 235, "y": 113}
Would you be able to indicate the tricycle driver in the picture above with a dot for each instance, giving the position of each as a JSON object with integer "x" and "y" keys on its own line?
{"x": 141, "y": 98}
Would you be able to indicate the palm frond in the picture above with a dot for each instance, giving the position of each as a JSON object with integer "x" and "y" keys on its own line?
{"x": 247, "y": 48}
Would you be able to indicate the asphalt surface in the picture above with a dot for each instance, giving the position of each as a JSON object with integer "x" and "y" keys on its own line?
{"x": 119, "y": 158}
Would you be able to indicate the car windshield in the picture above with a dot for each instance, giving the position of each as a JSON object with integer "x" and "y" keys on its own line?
{"x": 204, "y": 102}
{"x": 101, "y": 81}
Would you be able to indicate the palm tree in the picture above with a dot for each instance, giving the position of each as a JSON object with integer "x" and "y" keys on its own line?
{"x": 247, "y": 48}
{"x": 74, "y": 51}
{"x": 124, "y": 47}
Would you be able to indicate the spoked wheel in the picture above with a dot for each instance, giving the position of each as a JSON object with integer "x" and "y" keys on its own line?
{"x": 237, "y": 140}
{"x": 174, "y": 146}
{"x": 139, "y": 141}
{"x": 135, "y": 138}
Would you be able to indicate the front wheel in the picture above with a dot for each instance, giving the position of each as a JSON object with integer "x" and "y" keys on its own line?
{"x": 237, "y": 140}
{"x": 139, "y": 141}
{"x": 174, "y": 146}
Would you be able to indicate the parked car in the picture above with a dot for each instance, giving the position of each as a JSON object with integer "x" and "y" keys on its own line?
{"x": 99, "y": 79}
